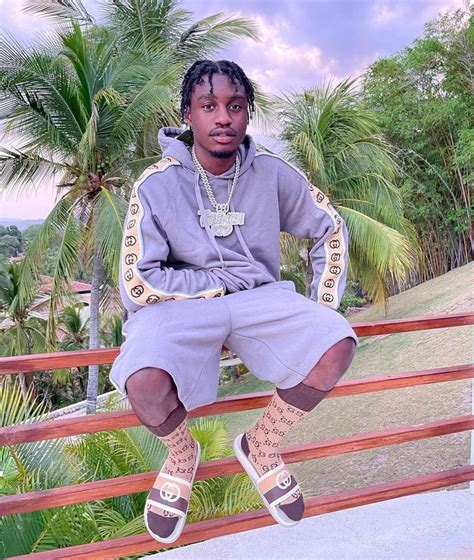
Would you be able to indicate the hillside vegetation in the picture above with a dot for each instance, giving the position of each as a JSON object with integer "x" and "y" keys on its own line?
{"x": 337, "y": 417}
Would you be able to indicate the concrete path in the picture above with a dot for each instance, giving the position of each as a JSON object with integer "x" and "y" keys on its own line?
{"x": 430, "y": 526}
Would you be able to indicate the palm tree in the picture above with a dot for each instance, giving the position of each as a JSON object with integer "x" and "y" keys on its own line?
{"x": 78, "y": 104}
{"x": 74, "y": 326}
{"x": 147, "y": 25}
{"x": 86, "y": 105}
{"x": 23, "y": 333}
{"x": 336, "y": 141}
{"x": 157, "y": 24}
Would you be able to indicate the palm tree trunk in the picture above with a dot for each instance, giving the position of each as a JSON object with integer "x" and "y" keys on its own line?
{"x": 94, "y": 336}
{"x": 22, "y": 381}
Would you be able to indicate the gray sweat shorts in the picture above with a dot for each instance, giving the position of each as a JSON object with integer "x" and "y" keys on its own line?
{"x": 277, "y": 333}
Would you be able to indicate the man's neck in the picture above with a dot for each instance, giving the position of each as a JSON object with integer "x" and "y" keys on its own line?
{"x": 214, "y": 165}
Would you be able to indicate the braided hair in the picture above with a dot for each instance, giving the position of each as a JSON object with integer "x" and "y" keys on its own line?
{"x": 200, "y": 68}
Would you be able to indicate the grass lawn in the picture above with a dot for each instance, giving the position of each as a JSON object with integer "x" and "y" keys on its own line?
{"x": 405, "y": 352}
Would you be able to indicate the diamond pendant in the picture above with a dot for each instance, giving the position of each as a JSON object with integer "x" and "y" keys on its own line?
{"x": 222, "y": 223}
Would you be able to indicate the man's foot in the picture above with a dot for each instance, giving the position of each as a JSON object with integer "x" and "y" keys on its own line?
{"x": 168, "y": 500}
{"x": 275, "y": 486}
{"x": 293, "y": 506}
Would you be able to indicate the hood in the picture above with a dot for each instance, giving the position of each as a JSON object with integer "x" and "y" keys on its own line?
{"x": 175, "y": 142}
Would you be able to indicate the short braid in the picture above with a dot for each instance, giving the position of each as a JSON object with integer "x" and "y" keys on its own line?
{"x": 200, "y": 68}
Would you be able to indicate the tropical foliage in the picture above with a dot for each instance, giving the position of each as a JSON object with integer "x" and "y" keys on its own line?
{"x": 10, "y": 241}
{"x": 55, "y": 463}
{"x": 22, "y": 332}
{"x": 338, "y": 143}
{"x": 423, "y": 100}
{"x": 83, "y": 107}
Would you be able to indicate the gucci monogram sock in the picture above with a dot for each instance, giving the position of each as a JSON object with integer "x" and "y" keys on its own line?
{"x": 181, "y": 457}
{"x": 286, "y": 408}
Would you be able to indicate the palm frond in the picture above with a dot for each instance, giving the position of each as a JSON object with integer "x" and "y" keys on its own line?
{"x": 337, "y": 142}
{"x": 59, "y": 10}
{"x": 264, "y": 117}
{"x": 386, "y": 249}
{"x": 62, "y": 221}
{"x": 212, "y": 437}
{"x": 205, "y": 37}
{"x": 110, "y": 212}
{"x": 20, "y": 169}
{"x": 44, "y": 90}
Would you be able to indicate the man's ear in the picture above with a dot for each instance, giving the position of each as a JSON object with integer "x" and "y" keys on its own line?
{"x": 187, "y": 118}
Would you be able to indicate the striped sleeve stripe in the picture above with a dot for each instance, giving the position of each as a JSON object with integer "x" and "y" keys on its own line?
{"x": 138, "y": 289}
{"x": 334, "y": 249}
{"x": 334, "y": 246}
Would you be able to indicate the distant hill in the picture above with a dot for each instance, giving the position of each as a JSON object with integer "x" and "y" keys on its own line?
{"x": 20, "y": 224}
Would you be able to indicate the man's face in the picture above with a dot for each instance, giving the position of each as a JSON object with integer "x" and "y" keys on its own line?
{"x": 218, "y": 120}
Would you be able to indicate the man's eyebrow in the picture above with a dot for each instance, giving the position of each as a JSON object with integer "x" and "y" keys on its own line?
{"x": 236, "y": 95}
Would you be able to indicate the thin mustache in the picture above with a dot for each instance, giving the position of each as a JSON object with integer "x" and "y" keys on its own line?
{"x": 226, "y": 131}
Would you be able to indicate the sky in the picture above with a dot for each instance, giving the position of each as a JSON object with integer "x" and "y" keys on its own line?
{"x": 303, "y": 43}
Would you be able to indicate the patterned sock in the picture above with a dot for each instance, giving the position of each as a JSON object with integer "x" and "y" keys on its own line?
{"x": 263, "y": 439}
{"x": 180, "y": 462}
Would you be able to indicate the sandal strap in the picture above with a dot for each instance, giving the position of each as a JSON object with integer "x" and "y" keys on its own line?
{"x": 172, "y": 478}
{"x": 277, "y": 484}
{"x": 170, "y": 493}
{"x": 179, "y": 508}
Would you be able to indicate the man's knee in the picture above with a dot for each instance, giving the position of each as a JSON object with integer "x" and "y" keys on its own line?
{"x": 152, "y": 395}
{"x": 332, "y": 365}
{"x": 343, "y": 352}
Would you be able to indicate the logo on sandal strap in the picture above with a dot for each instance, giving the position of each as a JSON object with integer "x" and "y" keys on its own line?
{"x": 283, "y": 480}
{"x": 170, "y": 492}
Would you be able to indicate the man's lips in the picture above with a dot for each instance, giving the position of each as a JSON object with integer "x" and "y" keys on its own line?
{"x": 223, "y": 132}
{"x": 223, "y": 136}
{"x": 221, "y": 139}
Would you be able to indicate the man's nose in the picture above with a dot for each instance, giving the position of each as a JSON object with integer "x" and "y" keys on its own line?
{"x": 223, "y": 117}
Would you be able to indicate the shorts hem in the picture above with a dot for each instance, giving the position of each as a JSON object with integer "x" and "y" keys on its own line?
{"x": 160, "y": 364}
{"x": 315, "y": 356}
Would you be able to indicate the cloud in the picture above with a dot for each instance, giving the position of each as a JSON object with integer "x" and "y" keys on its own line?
{"x": 381, "y": 14}
{"x": 23, "y": 26}
{"x": 277, "y": 62}
{"x": 12, "y": 14}
{"x": 384, "y": 12}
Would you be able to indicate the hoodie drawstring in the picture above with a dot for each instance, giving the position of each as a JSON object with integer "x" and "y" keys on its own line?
{"x": 241, "y": 239}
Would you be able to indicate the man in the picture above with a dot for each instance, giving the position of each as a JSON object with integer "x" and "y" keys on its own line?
{"x": 200, "y": 269}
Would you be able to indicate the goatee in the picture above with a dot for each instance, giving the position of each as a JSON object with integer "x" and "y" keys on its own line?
{"x": 223, "y": 155}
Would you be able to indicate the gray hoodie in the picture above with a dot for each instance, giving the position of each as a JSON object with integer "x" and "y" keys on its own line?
{"x": 167, "y": 254}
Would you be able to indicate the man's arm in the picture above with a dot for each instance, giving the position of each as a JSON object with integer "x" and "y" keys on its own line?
{"x": 306, "y": 212}
{"x": 144, "y": 279}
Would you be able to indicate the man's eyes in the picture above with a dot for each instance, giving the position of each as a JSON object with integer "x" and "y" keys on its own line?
{"x": 232, "y": 106}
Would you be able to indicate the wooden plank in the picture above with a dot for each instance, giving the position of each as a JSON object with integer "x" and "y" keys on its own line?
{"x": 55, "y": 360}
{"x": 63, "y": 427}
{"x": 414, "y": 324}
{"x": 204, "y": 530}
{"x": 101, "y": 489}
{"x": 76, "y": 358}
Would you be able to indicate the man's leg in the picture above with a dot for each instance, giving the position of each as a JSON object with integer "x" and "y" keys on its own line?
{"x": 287, "y": 407}
{"x": 154, "y": 399}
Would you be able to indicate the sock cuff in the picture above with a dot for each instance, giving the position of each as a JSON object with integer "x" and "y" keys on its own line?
{"x": 173, "y": 421}
{"x": 301, "y": 396}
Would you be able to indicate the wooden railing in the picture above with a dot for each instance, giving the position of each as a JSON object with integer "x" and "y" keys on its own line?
{"x": 33, "y": 501}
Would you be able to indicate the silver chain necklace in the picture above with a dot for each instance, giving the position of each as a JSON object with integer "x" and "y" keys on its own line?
{"x": 221, "y": 221}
